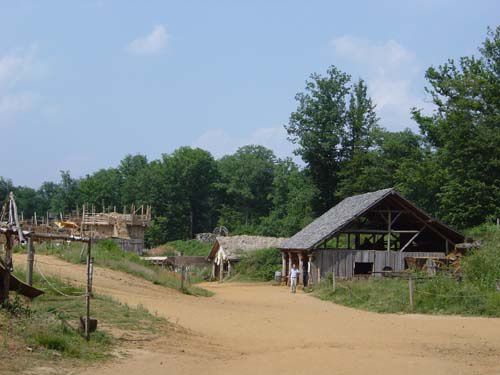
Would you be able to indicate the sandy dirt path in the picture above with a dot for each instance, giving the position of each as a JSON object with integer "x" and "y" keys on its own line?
{"x": 263, "y": 329}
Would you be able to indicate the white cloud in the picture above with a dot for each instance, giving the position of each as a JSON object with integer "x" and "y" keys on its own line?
{"x": 14, "y": 103}
{"x": 16, "y": 68}
{"x": 382, "y": 56}
{"x": 219, "y": 142}
{"x": 391, "y": 71}
{"x": 151, "y": 44}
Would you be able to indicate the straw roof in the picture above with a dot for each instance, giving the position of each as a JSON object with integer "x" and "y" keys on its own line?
{"x": 346, "y": 211}
{"x": 235, "y": 246}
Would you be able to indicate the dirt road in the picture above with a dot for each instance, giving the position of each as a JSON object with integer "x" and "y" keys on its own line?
{"x": 262, "y": 329}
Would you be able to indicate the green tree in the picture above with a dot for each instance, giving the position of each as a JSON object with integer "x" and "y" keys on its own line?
{"x": 133, "y": 185}
{"x": 246, "y": 179}
{"x": 102, "y": 188}
{"x": 318, "y": 127}
{"x": 361, "y": 134}
{"x": 465, "y": 132}
{"x": 67, "y": 194}
{"x": 292, "y": 196}
{"x": 190, "y": 174}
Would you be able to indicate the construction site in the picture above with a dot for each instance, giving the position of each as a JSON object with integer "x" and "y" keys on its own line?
{"x": 126, "y": 228}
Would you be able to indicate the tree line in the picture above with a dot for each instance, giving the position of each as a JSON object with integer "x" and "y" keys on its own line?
{"x": 451, "y": 168}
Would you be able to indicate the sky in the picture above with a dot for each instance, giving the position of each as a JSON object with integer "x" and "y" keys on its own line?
{"x": 83, "y": 83}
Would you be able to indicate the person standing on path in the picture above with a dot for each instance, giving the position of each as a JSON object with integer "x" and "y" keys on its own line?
{"x": 294, "y": 275}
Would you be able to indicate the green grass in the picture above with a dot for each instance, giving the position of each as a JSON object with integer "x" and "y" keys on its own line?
{"x": 188, "y": 248}
{"x": 258, "y": 265}
{"x": 107, "y": 253}
{"x": 48, "y": 326}
{"x": 439, "y": 295}
{"x": 474, "y": 294}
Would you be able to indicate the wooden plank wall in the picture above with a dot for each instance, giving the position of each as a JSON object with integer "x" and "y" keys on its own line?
{"x": 131, "y": 245}
{"x": 342, "y": 261}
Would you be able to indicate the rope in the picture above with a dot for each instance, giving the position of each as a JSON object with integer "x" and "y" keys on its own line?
{"x": 56, "y": 265}
{"x": 56, "y": 289}
{"x": 64, "y": 306}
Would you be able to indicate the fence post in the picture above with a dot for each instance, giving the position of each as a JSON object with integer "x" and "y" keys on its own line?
{"x": 182, "y": 277}
{"x": 410, "y": 287}
{"x": 31, "y": 258}
{"x": 333, "y": 281}
{"x": 89, "y": 289}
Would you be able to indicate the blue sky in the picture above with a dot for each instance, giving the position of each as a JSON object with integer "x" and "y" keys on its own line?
{"x": 83, "y": 83}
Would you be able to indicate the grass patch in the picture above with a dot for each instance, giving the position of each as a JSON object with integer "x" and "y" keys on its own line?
{"x": 41, "y": 331}
{"x": 439, "y": 295}
{"x": 108, "y": 254}
{"x": 187, "y": 248}
{"x": 473, "y": 294}
{"x": 258, "y": 265}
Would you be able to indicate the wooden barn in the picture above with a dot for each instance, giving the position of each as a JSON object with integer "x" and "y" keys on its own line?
{"x": 365, "y": 235}
{"x": 226, "y": 251}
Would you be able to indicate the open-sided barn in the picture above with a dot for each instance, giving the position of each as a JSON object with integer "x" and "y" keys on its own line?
{"x": 367, "y": 234}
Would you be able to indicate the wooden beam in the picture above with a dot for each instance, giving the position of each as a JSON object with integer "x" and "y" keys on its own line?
{"x": 386, "y": 211}
{"x": 389, "y": 223}
{"x": 412, "y": 239}
{"x": 382, "y": 216}
{"x": 378, "y": 231}
{"x": 397, "y": 216}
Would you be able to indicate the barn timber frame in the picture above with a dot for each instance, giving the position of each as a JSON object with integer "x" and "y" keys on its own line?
{"x": 367, "y": 234}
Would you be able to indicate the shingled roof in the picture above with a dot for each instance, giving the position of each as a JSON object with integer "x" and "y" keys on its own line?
{"x": 350, "y": 208}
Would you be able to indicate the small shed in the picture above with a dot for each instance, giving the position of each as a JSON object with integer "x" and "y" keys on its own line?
{"x": 227, "y": 251}
{"x": 367, "y": 234}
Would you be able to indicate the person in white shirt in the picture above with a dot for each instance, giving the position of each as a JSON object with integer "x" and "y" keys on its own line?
{"x": 294, "y": 275}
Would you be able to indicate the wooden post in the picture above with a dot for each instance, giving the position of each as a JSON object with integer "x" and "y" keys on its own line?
{"x": 89, "y": 289}
{"x": 91, "y": 274}
{"x": 31, "y": 258}
{"x": 410, "y": 287}
{"x": 4, "y": 297}
{"x": 389, "y": 232}
{"x": 333, "y": 281}
{"x": 183, "y": 276}
{"x": 283, "y": 266}
{"x": 310, "y": 280}
{"x": 300, "y": 280}
{"x": 221, "y": 270}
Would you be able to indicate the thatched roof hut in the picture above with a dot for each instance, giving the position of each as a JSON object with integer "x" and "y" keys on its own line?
{"x": 228, "y": 250}
{"x": 234, "y": 247}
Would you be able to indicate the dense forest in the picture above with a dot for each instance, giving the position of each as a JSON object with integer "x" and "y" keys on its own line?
{"x": 451, "y": 168}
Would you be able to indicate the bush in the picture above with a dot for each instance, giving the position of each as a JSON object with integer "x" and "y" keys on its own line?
{"x": 259, "y": 265}
{"x": 482, "y": 267}
{"x": 190, "y": 247}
